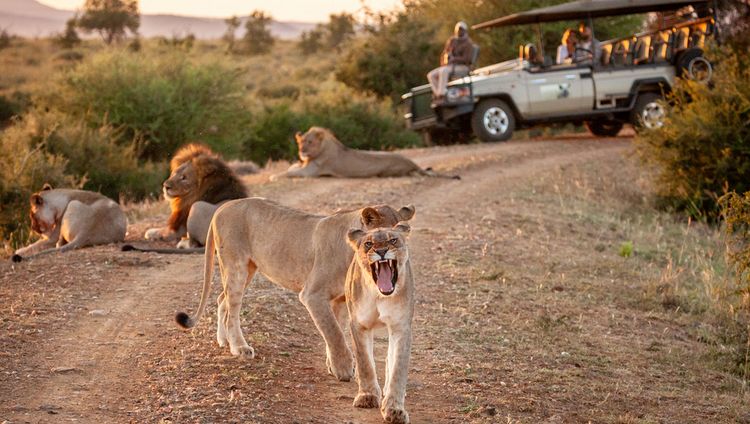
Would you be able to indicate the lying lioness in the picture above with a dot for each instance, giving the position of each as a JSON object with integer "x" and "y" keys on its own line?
{"x": 321, "y": 154}
{"x": 305, "y": 253}
{"x": 380, "y": 291}
{"x": 68, "y": 219}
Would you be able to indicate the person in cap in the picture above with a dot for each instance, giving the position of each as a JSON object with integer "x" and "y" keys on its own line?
{"x": 456, "y": 58}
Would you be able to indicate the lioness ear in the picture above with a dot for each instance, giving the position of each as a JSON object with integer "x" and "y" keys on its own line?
{"x": 406, "y": 213}
{"x": 402, "y": 227}
{"x": 37, "y": 199}
{"x": 370, "y": 215}
{"x": 298, "y": 137}
{"x": 46, "y": 186}
{"x": 354, "y": 235}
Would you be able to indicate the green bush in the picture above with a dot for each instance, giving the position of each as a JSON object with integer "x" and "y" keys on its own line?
{"x": 160, "y": 97}
{"x": 703, "y": 150}
{"x": 359, "y": 121}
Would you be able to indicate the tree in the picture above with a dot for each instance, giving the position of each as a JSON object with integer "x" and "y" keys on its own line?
{"x": 229, "y": 36}
{"x": 69, "y": 38}
{"x": 396, "y": 54}
{"x": 312, "y": 41}
{"x": 340, "y": 28}
{"x": 258, "y": 38}
{"x": 110, "y": 18}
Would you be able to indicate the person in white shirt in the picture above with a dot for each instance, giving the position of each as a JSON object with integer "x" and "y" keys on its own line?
{"x": 566, "y": 50}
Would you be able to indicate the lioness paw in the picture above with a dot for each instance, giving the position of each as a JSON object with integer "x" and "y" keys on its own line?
{"x": 244, "y": 352}
{"x": 153, "y": 234}
{"x": 366, "y": 400}
{"x": 395, "y": 416}
{"x": 342, "y": 371}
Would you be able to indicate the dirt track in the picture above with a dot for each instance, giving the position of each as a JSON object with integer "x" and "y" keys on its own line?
{"x": 525, "y": 313}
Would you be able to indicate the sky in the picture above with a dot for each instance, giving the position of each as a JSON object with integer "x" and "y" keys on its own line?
{"x": 281, "y": 10}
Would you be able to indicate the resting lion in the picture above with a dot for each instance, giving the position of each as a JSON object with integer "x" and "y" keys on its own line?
{"x": 68, "y": 219}
{"x": 380, "y": 292}
{"x": 323, "y": 155}
{"x": 305, "y": 253}
{"x": 199, "y": 182}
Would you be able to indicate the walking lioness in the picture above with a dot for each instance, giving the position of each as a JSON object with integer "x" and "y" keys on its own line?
{"x": 305, "y": 253}
{"x": 380, "y": 291}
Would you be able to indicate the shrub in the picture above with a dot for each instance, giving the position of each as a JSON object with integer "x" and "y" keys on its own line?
{"x": 160, "y": 98}
{"x": 703, "y": 150}
{"x": 258, "y": 38}
{"x": 359, "y": 121}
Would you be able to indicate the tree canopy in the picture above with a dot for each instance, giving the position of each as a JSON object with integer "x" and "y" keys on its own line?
{"x": 110, "y": 18}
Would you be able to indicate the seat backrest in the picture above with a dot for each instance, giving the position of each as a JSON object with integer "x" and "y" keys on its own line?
{"x": 641, "y": 50}
{"x": 621, "y": 52}
{"x": 474, "y": 55}
{"x": 659, "y": 46}
{"x": 698, "y": 35}
{"x": 681, "y": 39}
{"x": 606, "y": 54}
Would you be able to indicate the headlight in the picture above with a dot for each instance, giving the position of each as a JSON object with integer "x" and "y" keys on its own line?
{"x": 458, "y": 93}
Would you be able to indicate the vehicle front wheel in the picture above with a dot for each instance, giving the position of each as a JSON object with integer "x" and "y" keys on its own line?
{"x": 648, "y": 112}
{"x": 603, "y": 128}
{"x": 493, "y": 120}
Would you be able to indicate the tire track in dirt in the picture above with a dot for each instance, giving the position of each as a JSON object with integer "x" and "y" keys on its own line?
{"x": 106, "y": 354}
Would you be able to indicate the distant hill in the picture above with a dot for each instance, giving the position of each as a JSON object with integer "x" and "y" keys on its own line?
{"x": 29, "y": 18}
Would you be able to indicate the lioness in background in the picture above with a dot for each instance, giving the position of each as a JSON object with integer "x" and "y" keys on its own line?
{"x": 199, "y": 182}
{"x": 305, "y": 253}
{"x": 321, "y": 154}
{"x": 380, "y": 291}
{"x": 68, "y": 219}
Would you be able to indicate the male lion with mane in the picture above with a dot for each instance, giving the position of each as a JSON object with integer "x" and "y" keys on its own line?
{"x": 198, "y": 184}
{"x": 323, "y": 155}
{"x": 305, "y": 253}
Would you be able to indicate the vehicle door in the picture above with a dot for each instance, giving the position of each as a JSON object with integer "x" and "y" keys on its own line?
{"x": 560, "y": 90}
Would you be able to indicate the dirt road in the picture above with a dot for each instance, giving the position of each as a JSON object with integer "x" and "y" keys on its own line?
{"x": 525, "y": 312}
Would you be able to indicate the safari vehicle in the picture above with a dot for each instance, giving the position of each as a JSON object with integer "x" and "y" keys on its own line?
{"x": 622, "y": 84}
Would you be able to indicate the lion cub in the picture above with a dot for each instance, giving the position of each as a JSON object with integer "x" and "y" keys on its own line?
{"x": 380, "y": 291}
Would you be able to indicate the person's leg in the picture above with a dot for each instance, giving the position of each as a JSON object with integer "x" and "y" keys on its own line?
{"x": 433, "y": 77}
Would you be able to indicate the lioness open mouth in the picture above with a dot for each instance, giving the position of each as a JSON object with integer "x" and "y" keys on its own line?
{"x": 385, "y": 274}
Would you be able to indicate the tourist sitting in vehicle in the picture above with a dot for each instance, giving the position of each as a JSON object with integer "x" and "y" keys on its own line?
{"x": 587, "y": 50}
{"x": 456, "y": 58}
{"x": 567, "y": 49}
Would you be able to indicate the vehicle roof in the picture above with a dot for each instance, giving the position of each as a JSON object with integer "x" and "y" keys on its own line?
{"x": 582, "y": 9}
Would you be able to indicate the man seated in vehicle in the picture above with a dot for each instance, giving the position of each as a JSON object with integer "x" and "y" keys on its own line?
{"x": 567, "y": 50}
{"x": 587, "y": 51}
{"x": 456, "y": 58}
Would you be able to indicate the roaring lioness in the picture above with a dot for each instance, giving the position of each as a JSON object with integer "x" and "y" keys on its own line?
{"x": 305, "y": 253}
{"x": 323, "y": 155}
{"x": 199, "y": 182}
{"x": 68, "y": 219}
{"x": 380, "y": 291}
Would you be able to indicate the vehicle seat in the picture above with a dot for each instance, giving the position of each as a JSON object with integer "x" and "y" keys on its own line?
{"x": 621, "y": 52}
{"x": 460, "y": 73}
{"x": 641, "y": 50}
{"x": 660, "y": 46}
{"x": 606, "y": 54}
{"x": 698, "y": 35}
{"x": 680, "y": 39}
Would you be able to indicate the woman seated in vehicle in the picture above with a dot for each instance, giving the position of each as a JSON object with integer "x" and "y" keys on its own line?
{"x": 566, "y": 50}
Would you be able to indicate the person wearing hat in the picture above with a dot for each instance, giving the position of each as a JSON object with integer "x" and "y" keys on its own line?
{"x": 456, "y": 58}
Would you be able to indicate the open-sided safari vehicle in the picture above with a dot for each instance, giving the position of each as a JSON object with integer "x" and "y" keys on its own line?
{"x": 620, "y": 84}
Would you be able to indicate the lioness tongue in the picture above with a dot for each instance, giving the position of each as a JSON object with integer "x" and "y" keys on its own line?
{"x": 385, "y": 274}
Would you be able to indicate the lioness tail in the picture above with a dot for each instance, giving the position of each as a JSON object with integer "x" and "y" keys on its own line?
{"x": 182, "y": 318}
{"x": 430, "y": 173}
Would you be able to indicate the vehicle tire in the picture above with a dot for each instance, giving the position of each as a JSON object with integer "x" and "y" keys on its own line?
{"x": 493, "y": 120}
{"x": 648, "y": 112}
{"x": 691, "y": 64}
{"x": 604, "y": 128}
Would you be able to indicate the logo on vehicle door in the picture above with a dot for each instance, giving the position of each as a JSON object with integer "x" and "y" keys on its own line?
{"x": 555, "y": 91}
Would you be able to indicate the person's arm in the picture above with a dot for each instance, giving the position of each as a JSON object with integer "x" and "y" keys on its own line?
{"x": 445, "y": 55}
